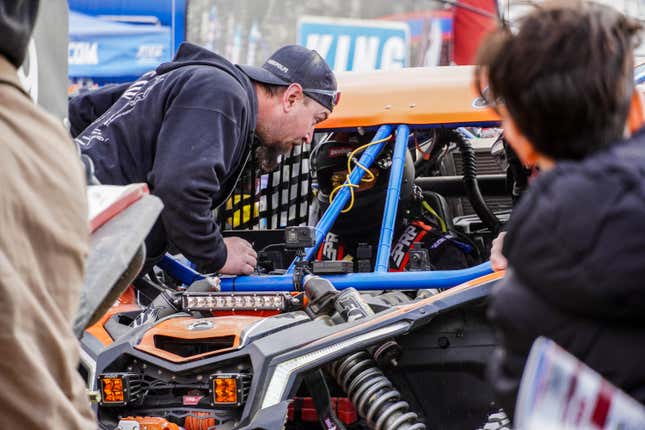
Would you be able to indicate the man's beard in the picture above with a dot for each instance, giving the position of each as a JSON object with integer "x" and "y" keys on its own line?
{"x": 268, "y": 158}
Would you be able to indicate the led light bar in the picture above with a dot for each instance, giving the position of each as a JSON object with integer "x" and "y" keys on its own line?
{"x": 239, "y": 301}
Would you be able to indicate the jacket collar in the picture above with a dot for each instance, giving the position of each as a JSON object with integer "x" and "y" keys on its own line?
{"x": 9, "y": 75}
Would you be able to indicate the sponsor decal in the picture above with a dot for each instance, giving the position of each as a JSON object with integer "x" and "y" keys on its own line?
{"x": 191, "y": 400}
{"x": 400, "y": 250}
{"x": 330, "y": 247}
{"x": 357, "y": 44}
{"x": 83, "y": 53}
{"x": 342, "y": 151}
{"x": 279, "y": 66}
{"x": 150, "y": 53}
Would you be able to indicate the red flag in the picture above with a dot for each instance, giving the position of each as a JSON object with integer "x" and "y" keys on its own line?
{"x": 471, "y": 26}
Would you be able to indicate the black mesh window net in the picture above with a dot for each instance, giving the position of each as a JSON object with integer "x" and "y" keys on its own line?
{"x": 270, "y": 200}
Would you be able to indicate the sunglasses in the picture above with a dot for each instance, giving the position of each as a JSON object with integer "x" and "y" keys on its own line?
{"x": 334, "y": 94}
{"x": 490, "y": 100}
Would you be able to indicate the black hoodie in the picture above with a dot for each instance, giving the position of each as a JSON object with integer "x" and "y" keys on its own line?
{"x": 186, "y": 129}
{"x": 576, "y": 253}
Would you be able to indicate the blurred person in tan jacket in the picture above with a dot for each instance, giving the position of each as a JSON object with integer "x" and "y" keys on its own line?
{"x": 43, "y": 244}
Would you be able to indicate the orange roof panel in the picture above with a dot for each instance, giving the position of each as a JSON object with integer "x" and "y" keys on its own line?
{"x": 415, "y": 96}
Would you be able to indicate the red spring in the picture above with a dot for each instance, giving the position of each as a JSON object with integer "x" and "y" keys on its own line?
{"x": 199, "y": 421}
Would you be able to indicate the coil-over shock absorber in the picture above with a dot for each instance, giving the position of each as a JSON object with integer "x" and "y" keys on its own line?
{"x": 373, "y": 394}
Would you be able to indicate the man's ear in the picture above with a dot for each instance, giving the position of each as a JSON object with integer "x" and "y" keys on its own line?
{"x": 291, "y": 95}
{"x": 636, "y": 115}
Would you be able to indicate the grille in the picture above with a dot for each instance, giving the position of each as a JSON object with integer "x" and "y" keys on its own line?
{"x": 486, "y": 164}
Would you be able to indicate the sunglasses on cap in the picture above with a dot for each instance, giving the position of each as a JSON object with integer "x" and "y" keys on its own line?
{"x": 334, "y": 94}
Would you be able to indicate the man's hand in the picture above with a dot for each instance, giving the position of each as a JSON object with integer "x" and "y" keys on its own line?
{"x": 241, "y": 258}
{"x": 498, "y": 261}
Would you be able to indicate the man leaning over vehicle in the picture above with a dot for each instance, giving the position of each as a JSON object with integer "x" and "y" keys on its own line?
{"x": 44, "y": 240}
{"x": 187, "y": 129}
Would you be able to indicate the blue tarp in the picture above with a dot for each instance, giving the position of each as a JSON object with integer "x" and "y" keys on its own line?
{"x": 107, "y": 51}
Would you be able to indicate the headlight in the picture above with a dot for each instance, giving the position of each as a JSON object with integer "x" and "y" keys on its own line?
{"x": 283, "y": 371}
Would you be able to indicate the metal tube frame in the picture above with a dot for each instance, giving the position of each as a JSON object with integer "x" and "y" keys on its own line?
{"x": 363, "y": 281}
{"x": 392, "y": 199}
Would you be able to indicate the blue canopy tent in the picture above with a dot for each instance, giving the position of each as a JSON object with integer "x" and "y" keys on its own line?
{"x": 108, "y": 52}
{"x": 639, "y": 74}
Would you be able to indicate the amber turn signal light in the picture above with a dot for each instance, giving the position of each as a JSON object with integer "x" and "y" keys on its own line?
{"x": 113, "y": 389}
{"x": 229, "y": 389}
{"x": 225, "y": 390}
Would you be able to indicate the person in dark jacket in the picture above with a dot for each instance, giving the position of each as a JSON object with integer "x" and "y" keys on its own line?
{"x": 575, "y": 244}
{"x": 187, "y": 130}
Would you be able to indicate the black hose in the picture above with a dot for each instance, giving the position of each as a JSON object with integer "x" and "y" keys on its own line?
{"x": 472, "y": 186}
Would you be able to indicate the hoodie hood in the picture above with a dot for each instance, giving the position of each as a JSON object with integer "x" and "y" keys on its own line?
{"x": 577, "y": 237}
{"x": 17, "y": 20}
{"x": 190, "y": 54}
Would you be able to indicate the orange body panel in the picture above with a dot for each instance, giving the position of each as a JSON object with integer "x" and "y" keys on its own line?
{"x": 420, "y": 95}
{"x": 126, "y": 303}
{"x": 472, "y": 283}
{"x": 179, "y": 328}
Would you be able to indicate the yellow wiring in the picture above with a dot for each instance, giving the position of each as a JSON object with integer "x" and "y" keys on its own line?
{"x": 442, "y": 223}
{"x": 347, "y": 182}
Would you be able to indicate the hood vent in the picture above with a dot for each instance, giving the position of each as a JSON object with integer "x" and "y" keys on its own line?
{"x": 192, "y": 347}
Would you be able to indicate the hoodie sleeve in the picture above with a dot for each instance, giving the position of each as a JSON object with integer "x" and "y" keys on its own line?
{"x": 197, "y": 149}
{"x": 84, "y": 109}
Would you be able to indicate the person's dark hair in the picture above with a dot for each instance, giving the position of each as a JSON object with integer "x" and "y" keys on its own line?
{"x": 271, "y": 90}
{"x": 565, "y": 76}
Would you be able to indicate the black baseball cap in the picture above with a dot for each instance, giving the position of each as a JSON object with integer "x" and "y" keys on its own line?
{"x": 297, "y": 64}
